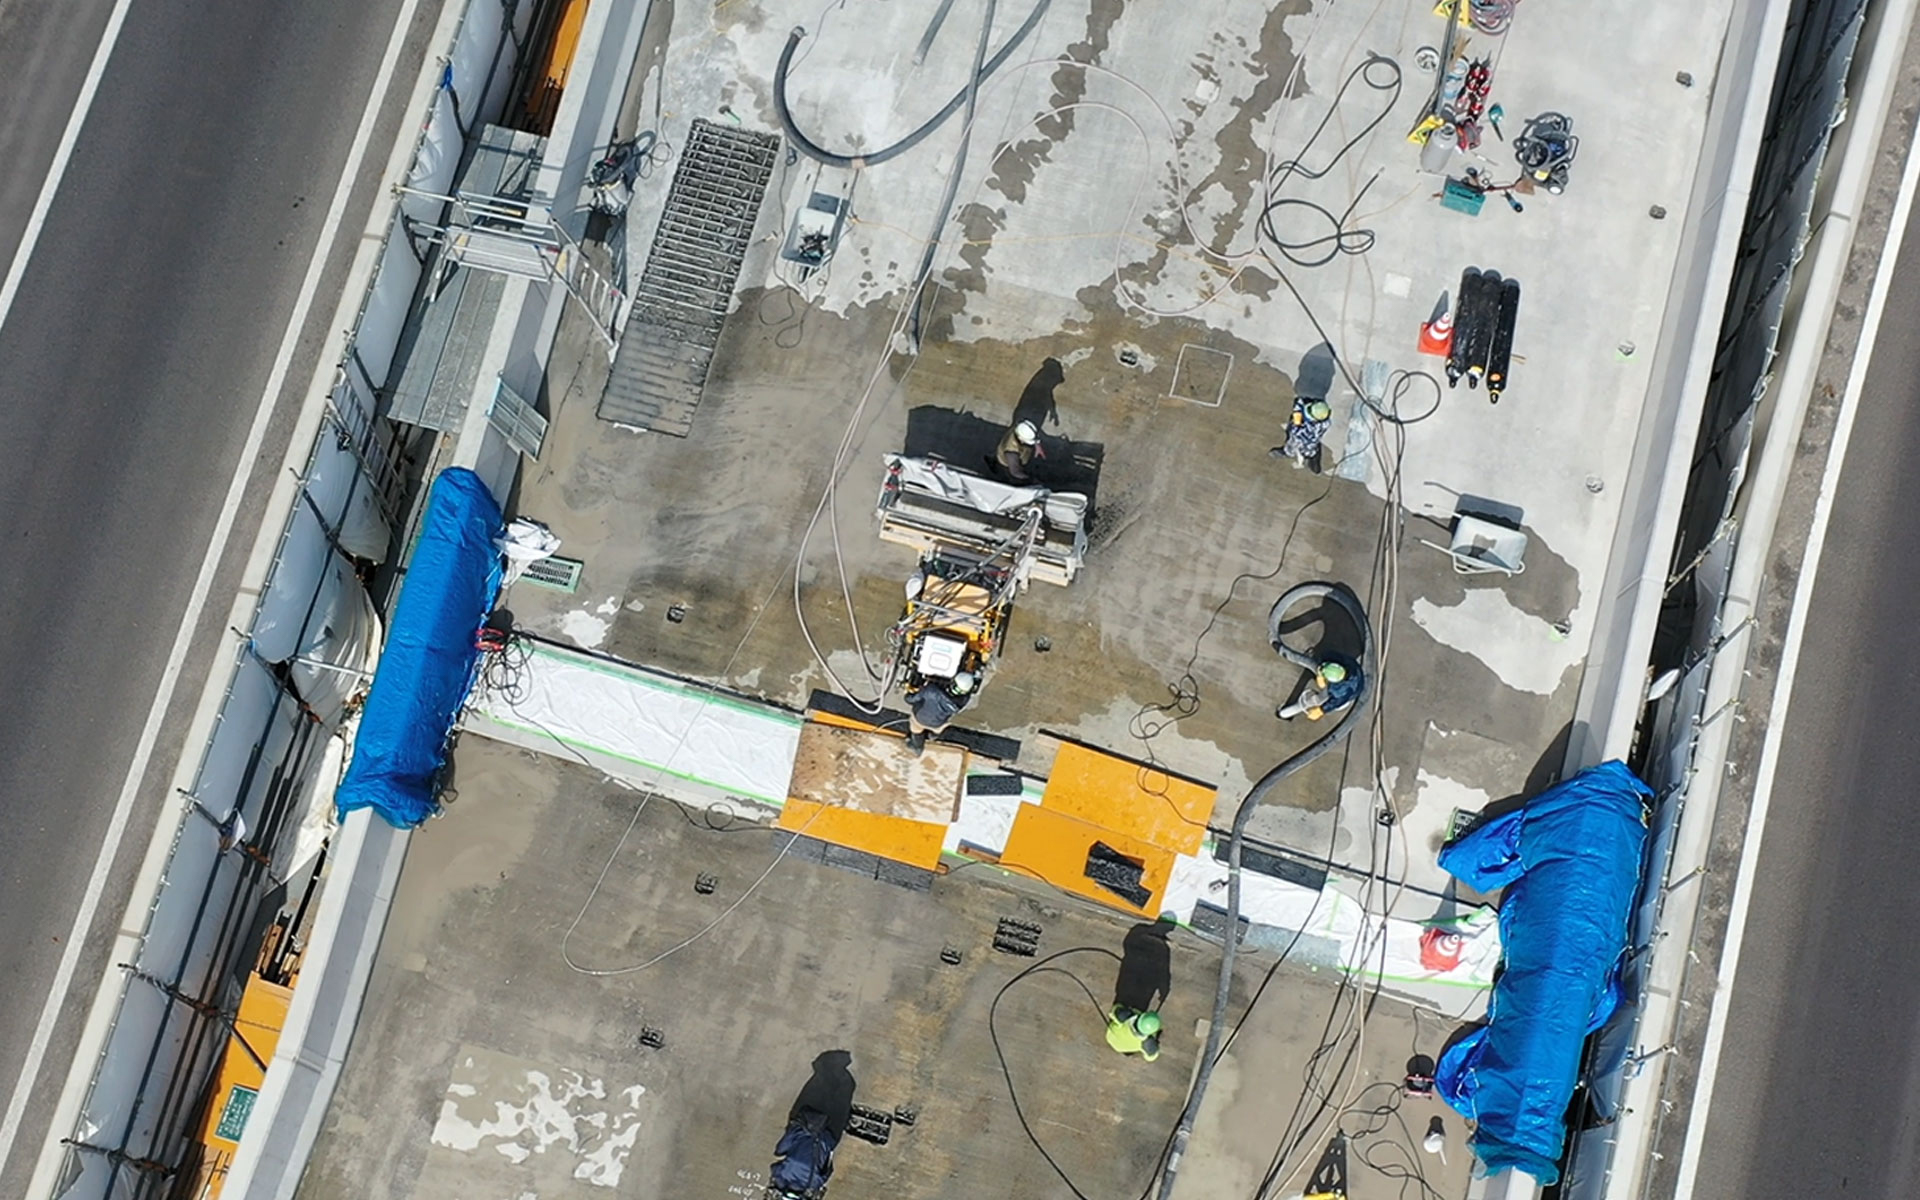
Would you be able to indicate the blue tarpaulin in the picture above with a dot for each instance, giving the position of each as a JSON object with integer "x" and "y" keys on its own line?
{"x": 1569, "y": 860}
{"x": 426, "y": 667}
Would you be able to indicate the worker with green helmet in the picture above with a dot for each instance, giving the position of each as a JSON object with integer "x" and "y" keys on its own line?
{"x": 1130, "y": 1031}
{"x": 1306, "y": 427}
{"x": 1336, "y": 683}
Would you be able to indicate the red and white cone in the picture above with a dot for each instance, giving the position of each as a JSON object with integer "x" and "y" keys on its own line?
{"x": 1436, "y": 336}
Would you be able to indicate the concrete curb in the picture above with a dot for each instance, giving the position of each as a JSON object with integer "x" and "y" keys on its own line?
{"x": 306, "y": 1067}
{"x": 364, "y": 873}
{"x": 1885, "y": 34}
{"x": 277, "y": 512}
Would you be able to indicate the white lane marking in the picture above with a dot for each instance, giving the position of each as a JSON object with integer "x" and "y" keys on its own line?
{"x": 43, "y": 204}
{"x": 202, "y": 586}
{"x": 1783, "y": 682}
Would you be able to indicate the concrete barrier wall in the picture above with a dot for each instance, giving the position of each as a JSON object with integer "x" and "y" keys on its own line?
{"x": 1612, "y": 696}
{"x": 1782, "y": 295}
{"x": 312, "y": 628}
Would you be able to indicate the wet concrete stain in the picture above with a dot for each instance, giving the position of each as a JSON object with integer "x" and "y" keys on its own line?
{"x": 1015, "y": 168}
{"x": 1242, "y": 158}
{"x": 978, "y": 225}
{"x": 650, "y": 66}
{"x": 1196, "y": 532}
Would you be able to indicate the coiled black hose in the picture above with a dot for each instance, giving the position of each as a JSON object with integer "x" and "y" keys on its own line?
{"x": 1379, "y": 74}
{"x": 812, "y": 149}
{"x": 1546, "y": 149}
{"x": 1349, "y": 603}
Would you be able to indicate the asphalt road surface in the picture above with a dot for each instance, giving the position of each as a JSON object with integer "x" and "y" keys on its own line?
{"x": 131, "y": 366}
{"x": 1819, "y": 1080}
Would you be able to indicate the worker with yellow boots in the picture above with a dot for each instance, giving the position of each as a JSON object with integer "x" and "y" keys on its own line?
{"x": 1132, "y": 1032}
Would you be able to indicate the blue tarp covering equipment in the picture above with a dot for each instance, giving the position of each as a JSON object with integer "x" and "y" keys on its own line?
{"x": 427, "y": 665}
{"x": 1570, "y": 861}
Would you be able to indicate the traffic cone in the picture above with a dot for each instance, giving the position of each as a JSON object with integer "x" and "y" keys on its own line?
{"x": 1436, "y": 336}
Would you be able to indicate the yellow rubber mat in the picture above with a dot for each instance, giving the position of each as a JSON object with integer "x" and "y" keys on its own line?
{"x": 1128, "y": 797}
{"x": 1053, "y": 847}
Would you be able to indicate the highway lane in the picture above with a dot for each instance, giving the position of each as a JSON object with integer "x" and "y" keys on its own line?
{"x": 131, "y": 366}
{"x": 45, "y": 48}
{"x": 1818, "y": 1091}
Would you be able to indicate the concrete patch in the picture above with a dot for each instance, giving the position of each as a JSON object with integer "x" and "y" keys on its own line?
{"x": 519, "y": 1110}
{"x": 584, "y": 629}
{"x": 1527, "y": 653}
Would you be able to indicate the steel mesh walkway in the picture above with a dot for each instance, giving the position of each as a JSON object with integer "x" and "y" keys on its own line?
{"x": 660, "y": 370}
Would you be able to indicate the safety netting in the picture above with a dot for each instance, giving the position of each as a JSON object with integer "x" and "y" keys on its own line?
{"x": 1570, "y": 861}
{"x": 427, "y": 664}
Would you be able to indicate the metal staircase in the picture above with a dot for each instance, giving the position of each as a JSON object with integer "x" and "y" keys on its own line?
{"x": 680, "y": 306}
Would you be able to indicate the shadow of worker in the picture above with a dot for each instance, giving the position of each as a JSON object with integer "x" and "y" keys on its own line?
{"x": 1037, "y": 403}
{"x": 1146, "y": 968}
{"x": 828, "y": 1093}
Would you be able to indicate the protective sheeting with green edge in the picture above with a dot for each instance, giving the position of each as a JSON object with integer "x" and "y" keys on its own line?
{"x": 664, "y": 727}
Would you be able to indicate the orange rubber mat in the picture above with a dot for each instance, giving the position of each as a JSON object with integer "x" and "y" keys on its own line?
{"x": 916, "y": 843}
{"x": 1053, "y": 847}
{"x": 1124, "y": 796}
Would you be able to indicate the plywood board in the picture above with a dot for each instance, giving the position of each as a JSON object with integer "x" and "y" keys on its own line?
{"x": 916, "y": 843}
{"x": 875, "y": 773}
{"x": 1128, "y": 797}
{"x": 1053, "y": 847}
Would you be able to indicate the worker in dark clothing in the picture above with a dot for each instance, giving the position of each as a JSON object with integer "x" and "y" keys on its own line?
{"x": 1335, "y": 685}
{"x": 1019, "y": 446}
{"x": 1306, "y": 429}
{"x": 1132, "y": 1032}
{"x": 934, "y": 704}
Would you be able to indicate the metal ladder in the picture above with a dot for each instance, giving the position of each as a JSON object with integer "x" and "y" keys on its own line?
{"x": 680, "y": 306}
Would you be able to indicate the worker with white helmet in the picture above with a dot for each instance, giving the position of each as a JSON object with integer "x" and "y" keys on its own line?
{"x": 934, "y": 704}
{"x": 1019, "y": 446}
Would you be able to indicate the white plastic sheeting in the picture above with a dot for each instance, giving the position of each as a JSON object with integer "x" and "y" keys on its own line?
{"x": 344, "y": 496}
{"x": 525, "y": 542}
{"x": 378, "y": 335}
{"x": 176, "y": 948}
{"x": 1441, "y": 962}
{"x": 1445, "y": 963}
{"x": 316, "y": 614}
{"x": 930, "y": 476}
{"x": 668, "y": 729}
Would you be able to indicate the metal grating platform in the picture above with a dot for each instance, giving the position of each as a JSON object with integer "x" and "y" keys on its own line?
{"x": 680, "y": 307}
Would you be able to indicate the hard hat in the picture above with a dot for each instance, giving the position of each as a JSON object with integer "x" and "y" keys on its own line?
{"x": 1147, "y": 1024}
{"x": 1319, "y": 411}
{"x": 963, "y": 682}
{"x": 1026, "y": 433}
{"x": 1333, "y": 672}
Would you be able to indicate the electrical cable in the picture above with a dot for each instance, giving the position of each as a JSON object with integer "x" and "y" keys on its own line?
{"x": 1380, "y": 74}
{"x": 815, "y": 151}
{"x": 1391, "y": 414}
{"x": 517, "y": 695}
{"x": 1045, "y": 965}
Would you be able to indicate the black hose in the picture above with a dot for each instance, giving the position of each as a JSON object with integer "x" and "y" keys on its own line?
{"x": 1347, "y": 601}
{"x": 818, "y": 153}
{"x": 1380, "y": 74}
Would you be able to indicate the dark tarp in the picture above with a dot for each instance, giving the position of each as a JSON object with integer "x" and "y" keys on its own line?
{"x": 805, "y": 1157}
